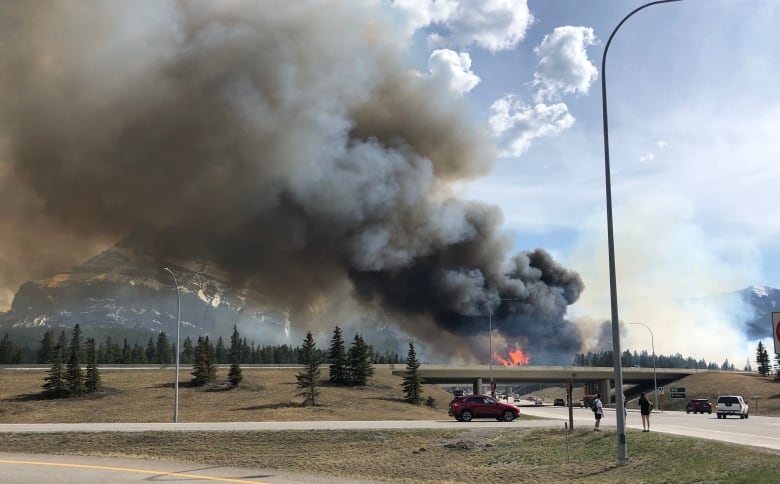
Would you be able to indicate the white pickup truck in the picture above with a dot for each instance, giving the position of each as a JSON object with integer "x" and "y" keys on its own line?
{"x": 732, "y": 405}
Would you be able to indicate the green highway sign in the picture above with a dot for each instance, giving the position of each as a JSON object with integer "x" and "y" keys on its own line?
{"x": 677, "y": 392}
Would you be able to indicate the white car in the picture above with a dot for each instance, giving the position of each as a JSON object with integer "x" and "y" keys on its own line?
{"x": 732, "y": 405}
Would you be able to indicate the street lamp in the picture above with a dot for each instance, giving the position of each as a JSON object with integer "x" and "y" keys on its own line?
{"x": 490, "y": 338}
{"x": 655, "y": 380}
{"x": 621, "y": 422}
{"x": 178, "y": 331}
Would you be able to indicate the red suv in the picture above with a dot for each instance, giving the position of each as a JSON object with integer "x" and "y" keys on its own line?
{"x": 481, "y": 406}
{"x": 699, "y": 405}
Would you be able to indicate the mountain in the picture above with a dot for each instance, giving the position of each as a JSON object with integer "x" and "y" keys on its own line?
{"x": 125, "y": 288}
{"x": 124, "y": 291}
{"x": 764, "y": 301}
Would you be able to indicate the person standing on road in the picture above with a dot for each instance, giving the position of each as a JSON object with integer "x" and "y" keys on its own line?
{"x": 644, "y": 408}
{"x": 598, "y": 411}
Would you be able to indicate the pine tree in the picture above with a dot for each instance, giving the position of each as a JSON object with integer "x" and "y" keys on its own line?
{"x": 309, "y": 377}
{"x": 412, "y": 382}
{"x": 777, "y": 366}
{"x": 55, "y": 384}
{"x": 204, "y": 370}
{"x": 762, "y": 359}
{"x": 75, "y": 375}
{"x": 165, "y": 352}
{"x": 360, "y": 368}
{"x": 337, "y": 357}
{"x": 234, "y": 375}
{"x": 221, "y": 352}
{"x": 10, "y": 353}
{"x": 188, "y": 352}
{"x": 92, "y": 382}
{"x": 46, "y": 347}
{"x": 151, "y": 351}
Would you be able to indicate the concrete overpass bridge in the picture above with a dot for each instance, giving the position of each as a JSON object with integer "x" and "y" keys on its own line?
{"x": 591, "y": 379}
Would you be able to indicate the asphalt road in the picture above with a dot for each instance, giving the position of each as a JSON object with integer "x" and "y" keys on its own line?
{"x": 754, "y": 431}
{"x": 21, "y": 469}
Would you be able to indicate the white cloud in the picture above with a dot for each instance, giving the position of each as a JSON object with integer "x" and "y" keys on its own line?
{"x": 647, "y": 157}
{"x": 661, "y": 144}
{"x": 453, "y": 69}
{"x": 516, "y": 124}
{"x": 491, "y": 24}
{"x": 564, "y": 67}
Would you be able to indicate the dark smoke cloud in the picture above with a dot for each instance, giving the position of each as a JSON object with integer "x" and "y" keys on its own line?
{"x": 291, "y": 140}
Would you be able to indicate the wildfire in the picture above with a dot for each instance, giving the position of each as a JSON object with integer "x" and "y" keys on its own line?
{"x": 515, "y": 357}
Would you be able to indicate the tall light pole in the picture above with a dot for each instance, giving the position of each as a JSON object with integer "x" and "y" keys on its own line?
{"x": 655, "y": 380}
{"x": 178, "y": 332}
{"x": 621, "y": 422}
{"x": 490, "y": 344}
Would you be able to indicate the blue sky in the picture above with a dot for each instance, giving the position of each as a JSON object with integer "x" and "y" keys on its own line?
{"x": 693, "y": 142}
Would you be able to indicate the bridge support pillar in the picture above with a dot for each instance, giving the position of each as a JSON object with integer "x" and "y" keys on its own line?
{"x": 604, "y": 390}
{"x": 477, "y": 388}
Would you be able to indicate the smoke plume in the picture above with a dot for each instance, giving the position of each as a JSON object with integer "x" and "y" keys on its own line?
{"x": 292, "y": 141}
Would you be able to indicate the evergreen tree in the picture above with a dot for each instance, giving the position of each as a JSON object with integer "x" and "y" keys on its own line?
{"x": 762, "y": 359}
{"x": 360, "y": 367}
{"x": 165, "y": 352}
{"x": 234, "y": 375}
{"x": 126, "y": 355}
{"x": 151, "y": 351}
{"x": 777, "y": 366}
{"x": 55, "y": 384}
{"x": 221, "y": 352}
{"x": 92, "y": 381}
{"x": 412, "y": 382}
{"x": 46, "y": 347}
{"x": 337, "y": 357}
{"x": 309, "y": 377}
{"x": 204, "y": 370}
{"x": 10, "y": 353}
{"x": 188, "y": 352}
{"x": 75, "y": 375}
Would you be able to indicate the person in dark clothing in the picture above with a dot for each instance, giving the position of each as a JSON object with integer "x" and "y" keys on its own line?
{"x": 644, "y": 408}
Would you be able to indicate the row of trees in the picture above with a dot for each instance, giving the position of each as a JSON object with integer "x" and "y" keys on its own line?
{"x": 350, "y": 367}
{"x": 347, "y": 367}
{"x": 161, "y": 350}
{"x": 66, "y": 377}
{"x": 644, "y": 359}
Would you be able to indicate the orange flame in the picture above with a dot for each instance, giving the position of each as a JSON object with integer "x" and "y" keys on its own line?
{"x": 515, "y": 357}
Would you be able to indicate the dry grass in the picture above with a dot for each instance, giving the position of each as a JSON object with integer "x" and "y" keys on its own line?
{"x": 264, "y": 395}
{"x": 423, "y": 456}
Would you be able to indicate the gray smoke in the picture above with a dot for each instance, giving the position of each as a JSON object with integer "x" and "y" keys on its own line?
{"x": 291, "y": 140}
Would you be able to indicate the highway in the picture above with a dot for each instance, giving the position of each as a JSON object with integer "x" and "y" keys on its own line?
{"x": 755, "y": 431}
{"x": 19, "y": 468}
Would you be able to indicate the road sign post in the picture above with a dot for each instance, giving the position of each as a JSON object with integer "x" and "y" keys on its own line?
{"x": 677, "y": 392}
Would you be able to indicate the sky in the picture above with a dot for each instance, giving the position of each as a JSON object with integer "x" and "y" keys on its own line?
{"x": 513, "y": 86}
{"x": 693, "y": 123}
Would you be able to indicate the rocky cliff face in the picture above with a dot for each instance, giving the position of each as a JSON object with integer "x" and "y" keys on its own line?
{"x": 125, "y": 287}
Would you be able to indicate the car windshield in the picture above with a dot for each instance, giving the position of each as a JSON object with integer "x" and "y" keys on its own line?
{"x": 489, "y": 400}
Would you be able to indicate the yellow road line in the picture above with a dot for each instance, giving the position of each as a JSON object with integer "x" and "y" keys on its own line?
{"x": 128, "y": 469}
